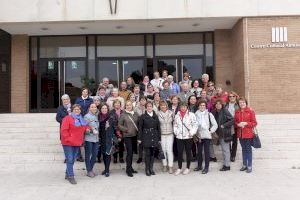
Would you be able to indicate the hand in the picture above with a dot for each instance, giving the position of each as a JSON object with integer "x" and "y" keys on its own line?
{"x": 240, "y": 125}
{"x": 95, "y": 132}
{"x": 139, "y": 141}
{"x": 222, "y": 126}
{"x": 106, "y": 125}
{"x": 119, "y": 139}
{"x": 245, "y": 123}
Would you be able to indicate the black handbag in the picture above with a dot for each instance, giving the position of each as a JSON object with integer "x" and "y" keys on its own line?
{"x": 227, "y": 135}
{"x": 255, "y": 140}
{"x": 161, "y": 154}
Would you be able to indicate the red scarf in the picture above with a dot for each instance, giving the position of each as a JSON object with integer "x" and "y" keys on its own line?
{"x": 182, "y": 114}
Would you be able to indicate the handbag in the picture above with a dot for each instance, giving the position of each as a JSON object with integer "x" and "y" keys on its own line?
{"x": 161, "y": 154}
{"x": 214, "y": 135}
{"x": 227, "y": 135}
{"x": 197, "y": 137}
{"x": 255, "y": 142}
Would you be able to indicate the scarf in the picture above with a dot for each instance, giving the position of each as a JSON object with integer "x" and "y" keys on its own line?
{"x": 182, "y": 114}
{"x": 103, "y": 117}
{"x": 68, "y": 108}
{"x": 79, "y": 120}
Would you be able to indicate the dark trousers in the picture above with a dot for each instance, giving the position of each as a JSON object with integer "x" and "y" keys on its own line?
{"x": 129, "y": 144}
{"x": 140, "y": 150}
{"x": 233, "y": 146}
{"x": 204, "y": 144}
{"x": 106, "y": 160}
{"x": 121, "y": 150}
{"x": 149, "y": 158}
{"x": 194, "y": 150}
{"x": 175, "y": 150}
{"x": 187, "y": 145}
{"x": 91, "y": 150}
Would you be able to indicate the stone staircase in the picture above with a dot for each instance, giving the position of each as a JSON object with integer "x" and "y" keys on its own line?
{"x": 31, "y": 142}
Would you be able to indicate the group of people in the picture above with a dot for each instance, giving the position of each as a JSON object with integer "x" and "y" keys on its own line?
{"x": 156, "y": 117}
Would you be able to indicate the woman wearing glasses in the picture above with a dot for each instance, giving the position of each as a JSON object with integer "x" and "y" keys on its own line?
{"x": 232, "y": 106}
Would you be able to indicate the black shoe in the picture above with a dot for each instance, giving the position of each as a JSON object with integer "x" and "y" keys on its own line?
{"x": 99, "y": 160}
{"x": 198, "y": 169}
{"x": 121, "y": 160}
{"x": 129, "y": 173}
{"x": 148, "y": 173}
{"x": 152, "y": 172}
{"x": 224, "y": 168}
{"x": 139, "y": 160}
{"x": 213, "y": 159}
{"x": 103, "y": 172}
{"x": 115, "y": 160}
{"x": 133, "y": 171}
{"x": 232, "y": 159}
{"x": 244, "y": 168}
{"x": 80, "y": 159}
{"x": 106, "y": 174}
{"x": 205, "y": 171}
{"x": 194, "y": 159}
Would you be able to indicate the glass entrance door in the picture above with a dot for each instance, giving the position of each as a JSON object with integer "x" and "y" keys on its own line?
{"x": 194, "y": 66}
{"x": 120, "y": 69}
{"x": 169, "y": 64}
{"x": 59, "y": 77}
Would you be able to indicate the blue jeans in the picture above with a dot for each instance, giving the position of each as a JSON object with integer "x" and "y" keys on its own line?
{"x": 71, "y": 153}
{"x": 247, "y": 152}
{"x": 91, "y": 151}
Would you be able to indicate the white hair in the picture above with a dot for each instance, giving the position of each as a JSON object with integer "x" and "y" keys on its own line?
{"x": 65, "y": 96}
{"x": 205, "y": 76}
{"x": 105, "y": 78}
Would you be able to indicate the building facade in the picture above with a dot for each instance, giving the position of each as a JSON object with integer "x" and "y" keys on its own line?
{"x": 48, "y": 48}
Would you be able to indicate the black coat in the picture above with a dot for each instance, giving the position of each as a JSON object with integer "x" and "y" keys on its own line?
{"x": 61, "y": 113}
{"x": 223, "y": 117}
{"x": 149, "y": 130}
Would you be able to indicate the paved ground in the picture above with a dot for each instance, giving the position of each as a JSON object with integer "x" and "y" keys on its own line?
{"x": 48, "y": 183}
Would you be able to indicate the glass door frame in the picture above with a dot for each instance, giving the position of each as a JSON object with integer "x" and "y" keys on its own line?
{"x": 179, "y": 63}
{"x": 120, "y": 66}
{"x": 61, "y": 79}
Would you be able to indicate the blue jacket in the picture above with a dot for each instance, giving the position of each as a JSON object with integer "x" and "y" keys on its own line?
{"x": 85, "y": 104}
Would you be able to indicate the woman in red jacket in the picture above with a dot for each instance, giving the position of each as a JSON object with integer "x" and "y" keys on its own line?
{"x": 245, "y": 121}
{"x": 72, "y": 133}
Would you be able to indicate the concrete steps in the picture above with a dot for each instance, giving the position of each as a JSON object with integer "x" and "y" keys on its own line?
{"x": 33, "y": 139}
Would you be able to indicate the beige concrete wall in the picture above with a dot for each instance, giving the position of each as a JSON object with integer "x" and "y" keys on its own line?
{"x": 20, "y": 74}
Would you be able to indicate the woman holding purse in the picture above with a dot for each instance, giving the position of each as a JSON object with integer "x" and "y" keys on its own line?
{"x": 245, "y": 121}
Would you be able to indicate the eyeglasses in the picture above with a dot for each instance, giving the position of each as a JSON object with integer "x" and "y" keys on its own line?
{"x": 210, "y": 85}
{"x": 231, "y": 96}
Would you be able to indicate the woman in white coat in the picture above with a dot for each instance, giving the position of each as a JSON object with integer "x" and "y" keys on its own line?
{"x": 185, "y": 126}
{"x": 206, "y": 126}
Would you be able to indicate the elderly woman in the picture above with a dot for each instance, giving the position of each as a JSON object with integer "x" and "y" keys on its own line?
{"x": 91, "y": 143}
{"x": 206, "y": 126}
{"x": 185, "y": 126}
{"x": 128, "y": 125}
{"x": 114, "y": 96}
{"x": 72, "y": 132}
{"x": 166, "y": 118}
{"x": 224, "y": 120}
{"x": 63, "y": 110}
{"x": 174, "y": 86}
{"x": 149, "y": 136}
{"x": 245, "y": 121}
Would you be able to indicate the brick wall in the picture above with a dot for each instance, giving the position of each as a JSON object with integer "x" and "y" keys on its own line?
{"x": 223, "y": 62}
{"x": 274, "y": 73}
{"x": 20, "y": 74}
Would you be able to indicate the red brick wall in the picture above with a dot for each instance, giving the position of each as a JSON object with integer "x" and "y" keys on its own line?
{"x": 20, "y": 74}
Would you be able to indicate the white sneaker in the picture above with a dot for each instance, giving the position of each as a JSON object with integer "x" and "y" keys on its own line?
{"x": 178, "y": 171}
{"x": 186, "y": 171}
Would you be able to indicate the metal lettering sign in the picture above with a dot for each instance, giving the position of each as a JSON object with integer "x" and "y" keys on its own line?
{"x": 113, "y": 4}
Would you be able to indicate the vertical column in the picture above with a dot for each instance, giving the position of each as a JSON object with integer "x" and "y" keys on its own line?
{"x": 19, "y": 74}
